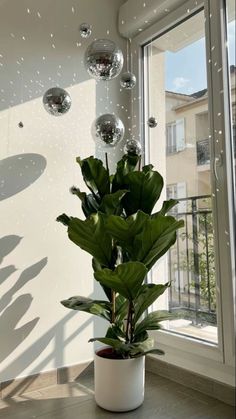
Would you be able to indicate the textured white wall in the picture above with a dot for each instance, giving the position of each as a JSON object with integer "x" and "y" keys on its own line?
{"x": 39, "y": 265}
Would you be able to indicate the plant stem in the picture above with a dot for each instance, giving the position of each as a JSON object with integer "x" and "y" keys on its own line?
{"x": 113, "y": 316}
{"x": 129, "y": 324}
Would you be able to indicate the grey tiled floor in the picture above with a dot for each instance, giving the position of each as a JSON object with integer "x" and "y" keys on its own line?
{"x": 164, "y": 399}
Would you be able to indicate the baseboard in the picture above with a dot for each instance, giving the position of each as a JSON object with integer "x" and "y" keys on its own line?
{"x": 213, "y": 388}
{"x": 34, "y": 382}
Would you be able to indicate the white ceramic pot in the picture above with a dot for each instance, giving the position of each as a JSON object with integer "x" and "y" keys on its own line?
{"x": 119, "y": 383}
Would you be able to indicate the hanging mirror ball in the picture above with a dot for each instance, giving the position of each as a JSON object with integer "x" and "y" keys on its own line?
{"x": 133, "y": 147}
{"x": 128, "y": 80}
{"x": 109, "y": 129}
{"x": 56, "y": 101}
{"x": 152, "y": 122}
{"x": 103, "y": 59}
{"x": 85, "y": 30}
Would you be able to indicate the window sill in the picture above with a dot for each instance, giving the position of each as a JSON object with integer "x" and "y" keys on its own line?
{"x": 196, "y": 356}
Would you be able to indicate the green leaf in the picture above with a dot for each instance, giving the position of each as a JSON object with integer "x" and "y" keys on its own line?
{"x": 121, "y": 308}
{"x": 126, "y": 279}
{"x": 126, "y": 165}
{"x": 150, "y": 351}
{"x": 114, "y": 343}
{"x": 154, "y": 241}
{"x": 166, "y": 207}
{"x": 97, "y": 307}
{"x": 90, "y": 205}
{"x": 64, "y": 219}
{"x": 111, "y": 203}
{"x": 124, "y": 230}
{"x": 95, "y": 175}
{"x": 132, "y": 350}
{"x": 140, "y": 348}
{"x": 144, "y": 191}
{"x": 115, "y": 332}
{"x": 152, "y": 322}
{"x": 147, "y": 295}
{"x": 90, "y": 235}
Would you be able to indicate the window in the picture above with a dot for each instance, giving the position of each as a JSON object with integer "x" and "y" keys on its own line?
{"x": 175, "y": 136}
{"x": 190, "y": 263}
{"x": 201, "y": 264}
{"x": 203, "y": 152}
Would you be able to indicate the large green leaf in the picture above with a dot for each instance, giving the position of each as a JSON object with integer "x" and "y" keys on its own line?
{"x": 166, "y": 207}
{"x": 90, "y": 205}
{"x": 126, "y": 165}
{"x": 131, "y": 350}
{"x": 97, "y": 307}
{"x": 120, "y": 347}
{"x": 111, "y": 204}
{"x": 154, "y": 241}
{"x": 121, "y": 308}
{"x": 90, "y": 235}
{"x": 144, "y": 191}
{"x": 124, "y": 230}
{"x": 152, "y": 322}
{"x": 115, "y": 332}
{"x": 147, "y": 295}
{"x": 126, "y": 279}
{"x": 95, "y": 175}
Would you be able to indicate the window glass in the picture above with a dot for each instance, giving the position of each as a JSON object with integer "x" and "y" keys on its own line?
{"x": 180, "y": 150}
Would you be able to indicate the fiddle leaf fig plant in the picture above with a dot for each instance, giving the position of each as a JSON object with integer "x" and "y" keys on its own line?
{"x": 125, "y": 239}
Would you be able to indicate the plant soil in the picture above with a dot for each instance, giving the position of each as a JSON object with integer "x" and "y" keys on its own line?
{"x": 108, "y": 353}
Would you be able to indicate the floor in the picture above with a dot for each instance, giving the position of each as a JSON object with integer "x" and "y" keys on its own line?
{"x": 164, "y": 399}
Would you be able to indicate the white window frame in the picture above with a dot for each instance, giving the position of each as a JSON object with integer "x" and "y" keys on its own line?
{"x": 213, "y": 361}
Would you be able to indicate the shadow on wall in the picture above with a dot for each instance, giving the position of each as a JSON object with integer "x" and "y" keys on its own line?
{"x": 18, "y": 172}
{"x": 11, "y": 312}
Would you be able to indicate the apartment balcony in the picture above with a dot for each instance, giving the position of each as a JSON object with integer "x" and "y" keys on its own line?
{"x": 192, "y": 295}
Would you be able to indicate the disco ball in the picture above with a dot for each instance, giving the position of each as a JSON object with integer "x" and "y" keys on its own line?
{"x": 109, "y": 129}
{"x": 85, "y": 30}
{"x": 103, "y": 60}
{"x": 128, "y": 80}
{"x": 133, "y": 147}
{"x": 152, "y": 122}
{"x": 56, "y": 101}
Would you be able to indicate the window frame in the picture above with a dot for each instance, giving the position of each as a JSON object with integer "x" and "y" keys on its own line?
{"x": 213, "y": 361}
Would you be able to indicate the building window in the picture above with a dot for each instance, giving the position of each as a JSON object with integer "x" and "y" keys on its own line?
{"x": 175, "y": 136}
{"x": 203, "y": 152}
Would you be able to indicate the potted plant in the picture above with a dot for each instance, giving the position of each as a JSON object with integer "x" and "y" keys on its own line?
{"x": 125, "y": 240}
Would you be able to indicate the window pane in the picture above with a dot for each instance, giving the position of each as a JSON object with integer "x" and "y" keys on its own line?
{"x": 180, "y": 150}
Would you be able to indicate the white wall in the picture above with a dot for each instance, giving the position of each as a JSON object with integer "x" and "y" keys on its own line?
{"x": 39, "y": 265}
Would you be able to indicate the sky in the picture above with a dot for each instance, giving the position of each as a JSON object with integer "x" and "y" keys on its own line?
{"x": 186, "y": 69}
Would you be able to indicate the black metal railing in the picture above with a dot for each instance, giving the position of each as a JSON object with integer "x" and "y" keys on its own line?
{"x": 192, "y": 294}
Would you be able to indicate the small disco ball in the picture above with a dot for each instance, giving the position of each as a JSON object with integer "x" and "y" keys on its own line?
{"x": 56, "y": 101}
{"x": 133, "y": 147}
{"x": 109, "y": 129}
{"x": 85, "y": 30}
{"x": 103, "y": 60}
{"x": 152, "y": 122}
{"x": 128, "y": 80}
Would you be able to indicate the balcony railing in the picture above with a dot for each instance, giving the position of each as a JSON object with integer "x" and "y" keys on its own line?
{"x": 192, "y": 294}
